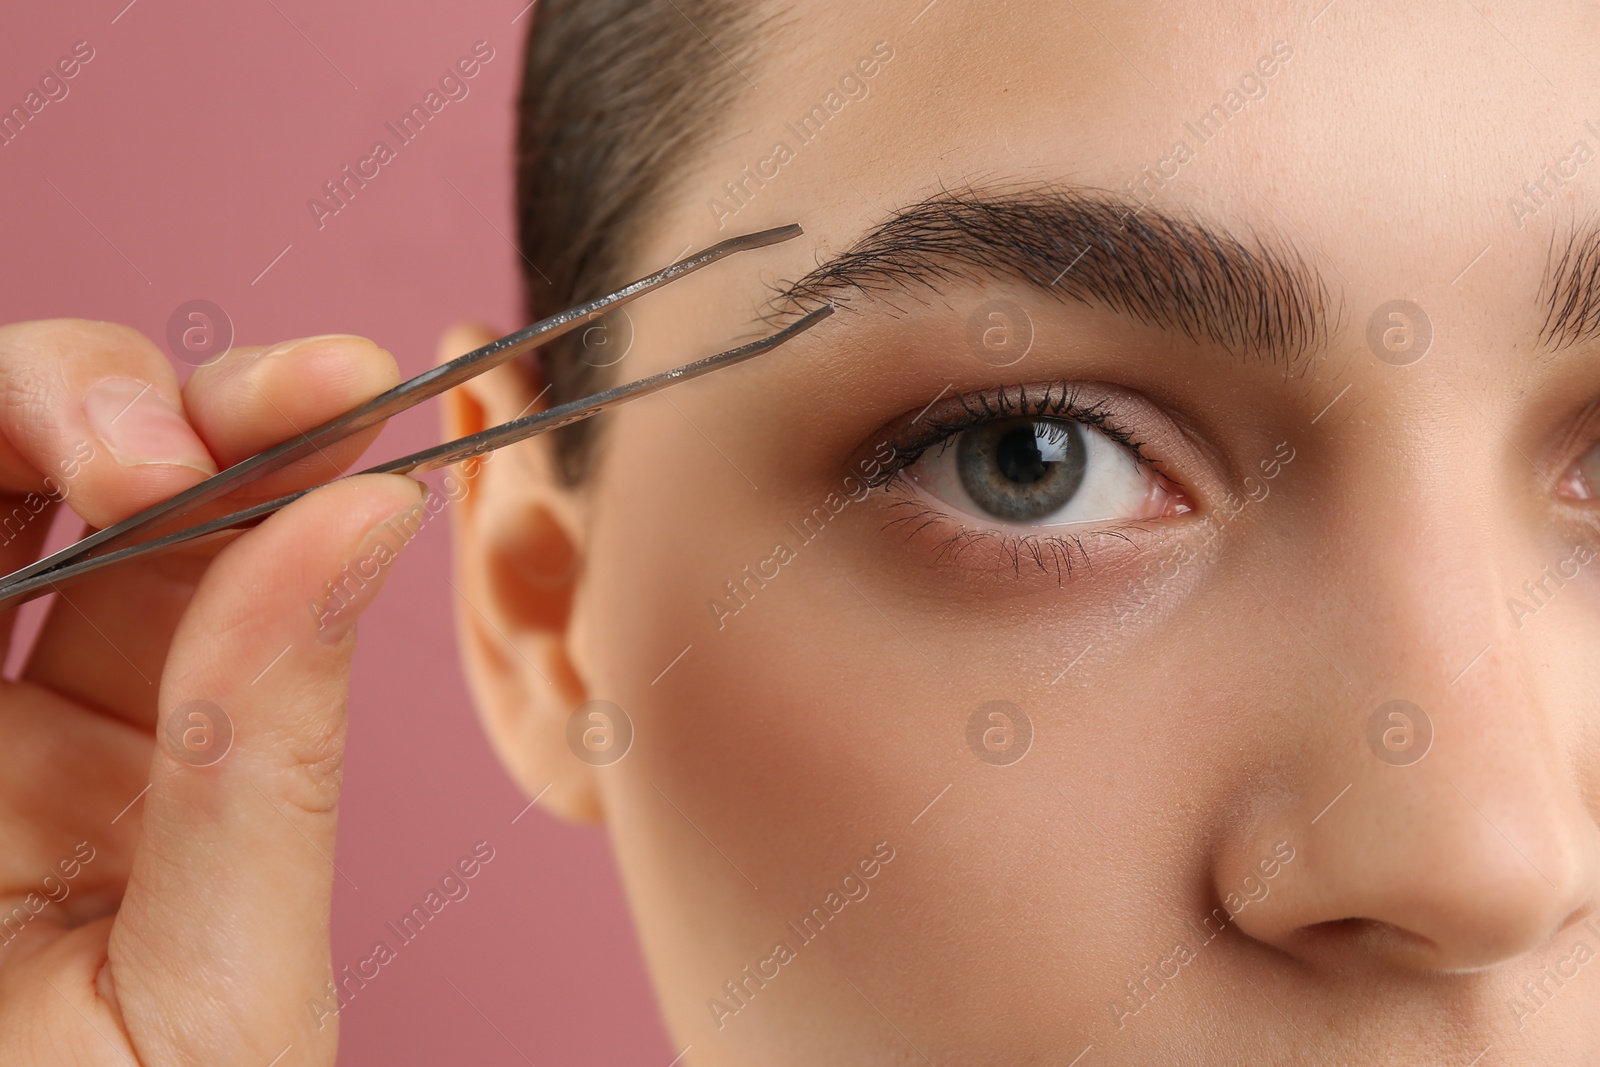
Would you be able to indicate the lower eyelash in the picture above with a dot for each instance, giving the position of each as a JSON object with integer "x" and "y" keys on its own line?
{"x": 1047, "y": 552}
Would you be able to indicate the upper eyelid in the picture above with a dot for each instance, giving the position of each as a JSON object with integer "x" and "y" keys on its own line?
{"x": 1060, "y": 399}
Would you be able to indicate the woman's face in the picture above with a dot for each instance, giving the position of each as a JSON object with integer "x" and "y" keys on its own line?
{"x": 1217, "y": 680}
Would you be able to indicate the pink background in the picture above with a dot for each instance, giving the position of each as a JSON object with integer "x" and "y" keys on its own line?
{"x": 192, "y": 142}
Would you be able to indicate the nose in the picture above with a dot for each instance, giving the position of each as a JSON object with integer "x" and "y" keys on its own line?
{"x": 1444, "y": 868}
{"x": 1434, "y": 822}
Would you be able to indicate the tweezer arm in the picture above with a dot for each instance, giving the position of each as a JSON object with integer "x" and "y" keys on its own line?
{"x": 405, "y": 395}
{"x": 23, "y": 587}
{"x": 577, "y": 410}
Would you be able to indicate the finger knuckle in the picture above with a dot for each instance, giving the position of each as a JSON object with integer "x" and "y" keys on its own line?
{"x": 315, "y": 768}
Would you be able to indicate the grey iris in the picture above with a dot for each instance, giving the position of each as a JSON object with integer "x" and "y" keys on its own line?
{"x": 1022, "y": 469}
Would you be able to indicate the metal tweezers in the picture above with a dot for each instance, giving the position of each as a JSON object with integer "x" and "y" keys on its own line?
{"x": 138, "y": 535}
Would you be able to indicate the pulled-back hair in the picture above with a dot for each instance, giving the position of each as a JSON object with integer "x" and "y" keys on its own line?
{"x": 616, "y": 96}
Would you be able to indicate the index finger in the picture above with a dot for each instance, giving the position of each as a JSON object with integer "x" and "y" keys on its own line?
{"x": 92, "y": 411}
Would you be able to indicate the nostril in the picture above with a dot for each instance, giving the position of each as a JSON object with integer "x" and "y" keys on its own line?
{"x": 1365, "y": 937}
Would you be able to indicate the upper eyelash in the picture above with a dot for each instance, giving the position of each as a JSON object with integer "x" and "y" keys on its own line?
{"x": 1057, "y": 399}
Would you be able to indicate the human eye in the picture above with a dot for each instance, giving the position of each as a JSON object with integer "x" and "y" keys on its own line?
{"x": 1035, "y": 469}
{"x": 1582, "y": 479}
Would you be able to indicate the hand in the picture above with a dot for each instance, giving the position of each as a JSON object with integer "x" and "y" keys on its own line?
{"x": 172, "y": 750}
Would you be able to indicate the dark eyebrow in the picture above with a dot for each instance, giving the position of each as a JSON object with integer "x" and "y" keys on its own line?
{"x": 1572, "y": 290}
{"x": 1252, "y": 296}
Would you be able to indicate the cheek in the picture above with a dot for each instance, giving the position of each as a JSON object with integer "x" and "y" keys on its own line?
{"x": 771, "y": 719}
{"x": 829, "y": 712}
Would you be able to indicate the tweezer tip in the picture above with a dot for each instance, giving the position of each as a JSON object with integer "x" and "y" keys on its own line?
{"x": 776, "y": 235}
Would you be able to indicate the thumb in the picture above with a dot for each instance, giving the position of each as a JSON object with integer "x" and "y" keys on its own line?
{"x": 221, "y": 946}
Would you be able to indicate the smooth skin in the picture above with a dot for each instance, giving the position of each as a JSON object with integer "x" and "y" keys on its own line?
{"x": 1178, "y": 751}
{"x": 1183, "y": 750}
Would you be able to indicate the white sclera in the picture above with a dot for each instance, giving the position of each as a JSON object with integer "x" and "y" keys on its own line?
{"x": 1589, "y": 466}
{"x": 1115, "y": 487}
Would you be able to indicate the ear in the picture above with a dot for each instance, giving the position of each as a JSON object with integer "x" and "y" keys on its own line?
{"x": 517, "y": 561}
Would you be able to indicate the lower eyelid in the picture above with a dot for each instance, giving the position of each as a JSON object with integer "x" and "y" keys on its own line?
{"x": 1058, "y": 553}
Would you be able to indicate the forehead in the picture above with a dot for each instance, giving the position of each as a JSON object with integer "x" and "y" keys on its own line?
{"x": 1431, "y": 151}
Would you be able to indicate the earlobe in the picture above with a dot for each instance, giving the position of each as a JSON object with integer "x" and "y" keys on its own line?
{"x": 517, "y": 562}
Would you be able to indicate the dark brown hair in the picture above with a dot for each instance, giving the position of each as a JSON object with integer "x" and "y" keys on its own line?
{"x": 616, "y": 96}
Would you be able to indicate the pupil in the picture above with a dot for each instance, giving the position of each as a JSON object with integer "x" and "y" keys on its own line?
{"x": 1019, "y": 458}
{"x": 1022, "y": 469}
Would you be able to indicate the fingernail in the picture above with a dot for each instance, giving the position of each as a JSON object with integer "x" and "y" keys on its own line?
{"x": 238, "y": 363}
{"x": 286, "y": 347}
{"x": 358, "y": 582}
{"x": 140, "y": 427}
